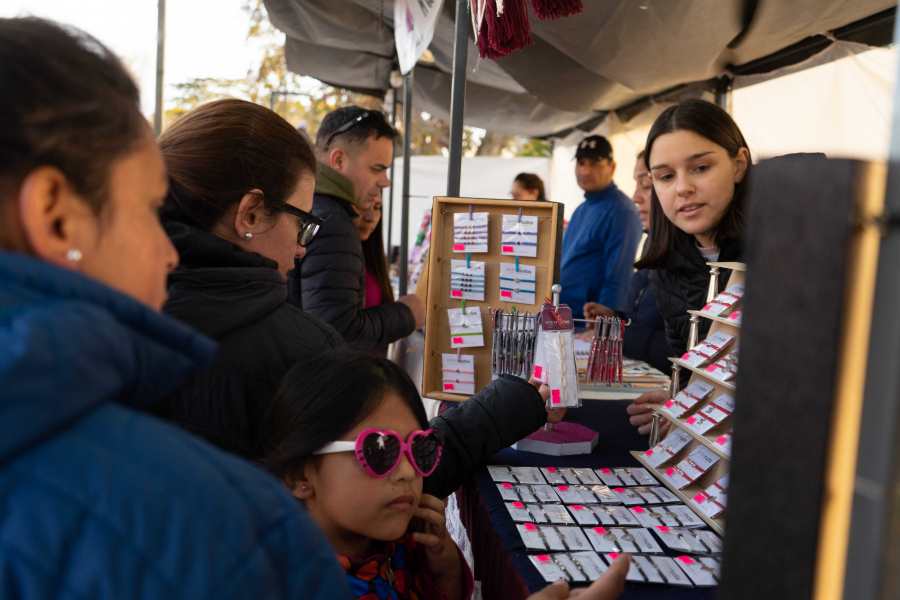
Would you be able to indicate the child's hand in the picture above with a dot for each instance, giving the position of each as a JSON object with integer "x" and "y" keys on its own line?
{"x": 443, "y": 557}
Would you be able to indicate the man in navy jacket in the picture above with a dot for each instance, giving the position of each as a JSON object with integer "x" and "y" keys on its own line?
{"x": 601, "y": 240}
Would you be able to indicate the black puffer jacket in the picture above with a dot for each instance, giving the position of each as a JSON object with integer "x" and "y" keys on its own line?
{"x": 682, "y": 285}
{"x": 239, "y": 299}
{"x": 330, "y": 281}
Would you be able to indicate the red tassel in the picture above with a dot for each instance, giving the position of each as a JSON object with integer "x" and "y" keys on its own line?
{"x": 555, "y": 9}
{"x": 501, "y": 35}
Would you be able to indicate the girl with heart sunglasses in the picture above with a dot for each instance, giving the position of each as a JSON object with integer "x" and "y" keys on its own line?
{"x": 348, "y": 436}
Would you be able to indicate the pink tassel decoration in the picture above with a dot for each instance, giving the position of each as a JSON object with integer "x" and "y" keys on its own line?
{"x": 504, "y": 33}
{"x": 555, "y": 9}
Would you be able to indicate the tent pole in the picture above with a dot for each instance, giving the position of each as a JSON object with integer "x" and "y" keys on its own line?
{"x": 404, "y": 209}
{"x": 390, "y": 219}
{"x": 458, "y": 97}
{"x": 160, "y": 66}
{"x": 723, "y": 89}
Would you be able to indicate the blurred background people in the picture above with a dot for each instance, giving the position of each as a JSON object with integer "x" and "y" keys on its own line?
{"x": 528, "y": 186}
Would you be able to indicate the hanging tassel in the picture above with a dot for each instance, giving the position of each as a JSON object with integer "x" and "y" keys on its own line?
{"x": 505, "y": 28}
{"x": 555, "y": 9}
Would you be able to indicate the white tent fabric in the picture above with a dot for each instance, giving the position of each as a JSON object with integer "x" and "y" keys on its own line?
{"x": 842, "y": 107}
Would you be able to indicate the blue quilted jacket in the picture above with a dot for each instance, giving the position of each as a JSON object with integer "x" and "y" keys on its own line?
{"x": 99, "y": 501}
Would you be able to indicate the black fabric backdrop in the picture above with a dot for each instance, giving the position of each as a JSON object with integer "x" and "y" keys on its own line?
{"x": 617, "y": 438}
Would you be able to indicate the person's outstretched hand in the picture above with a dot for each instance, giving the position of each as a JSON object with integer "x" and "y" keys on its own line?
{"x": 415, "y": 305}
{"x": 642, "y": 414}
{"x": 608, "y": 587}
{"x": 592, "y": 310}
{"x": 554, "y": 415}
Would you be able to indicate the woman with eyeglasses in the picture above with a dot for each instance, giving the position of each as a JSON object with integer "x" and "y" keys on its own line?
{"x": 240, "y": 188}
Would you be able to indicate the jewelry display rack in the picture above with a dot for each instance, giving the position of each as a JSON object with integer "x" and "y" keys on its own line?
{"x": 722, "y": 467}
{"x": 438, "y": 300}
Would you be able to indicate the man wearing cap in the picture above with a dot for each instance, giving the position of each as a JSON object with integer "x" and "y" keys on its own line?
{"x": 601, "y": 240}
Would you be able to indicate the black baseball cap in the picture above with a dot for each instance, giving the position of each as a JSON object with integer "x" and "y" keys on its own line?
{"x": 595, "y": 147}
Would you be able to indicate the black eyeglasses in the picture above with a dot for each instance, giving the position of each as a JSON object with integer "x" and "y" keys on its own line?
{"x": 349, "y": 125}
{"x": 309, "y": 225}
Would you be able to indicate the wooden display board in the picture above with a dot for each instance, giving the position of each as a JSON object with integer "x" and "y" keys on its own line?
{"x": 710, "y": 437}
{"x": 438, "y": 300}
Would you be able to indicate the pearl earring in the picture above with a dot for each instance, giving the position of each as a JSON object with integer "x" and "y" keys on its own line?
{"x": 74, "y": 255}
{"x": 248, "y": 235}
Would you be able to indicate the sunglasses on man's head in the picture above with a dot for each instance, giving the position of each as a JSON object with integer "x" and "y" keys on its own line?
{"x": 379, "y": 452}
{"x": 309, "y": 224}
{"x": 353, "y": 123}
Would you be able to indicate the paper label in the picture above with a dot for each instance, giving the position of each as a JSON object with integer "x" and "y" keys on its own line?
{"x": 649, "y": 452}
{"x": 605, "y": 471}
{"x": 576, "y": 507}
{"x": 554, "y": 395}
{"x": 505, "y": 294}
{"x": 470, "y": 235}
{"x": 466, "y": 330}
{"x": 537, "y": 371}
{"x": 638, "y": 510}
{"x": 551, "y": 469}
{"x": 686, "y": 560}
{"x": 613, "y": 555}
{"x": 519, "y": 235}
{"x": 721, "y": 440}
{"x": 530, "y": 526}
{"x": 448, "y": 386}
{"x": 663, "y": 528}
{"x": 518, "y": 505}
{"x": 507, "y": 485}
{"x": 600, "y": 530}
{"x": 467, "y": 280}
{"x": 507, "y": 249}
{"x": 457, "y": 340}
{"x": 459, "y": 248}
{"x": 460, "y": 371}
{"x": 699, "y": 498}
{"x": 456, "y": 293}
{"x": 691, "y": 421}
{"x": 519, "y": 285}
{"x": 670, "y": 471}
{"x": 564, "y": 488}
{"x": 543, "y": 558}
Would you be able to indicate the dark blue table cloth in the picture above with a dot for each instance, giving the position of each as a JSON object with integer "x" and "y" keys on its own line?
{"x": 617, "y": 438}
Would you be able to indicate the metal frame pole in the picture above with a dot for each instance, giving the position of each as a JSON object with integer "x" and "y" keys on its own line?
{"x": 160, "y": 66}
{"x": 404, "y": 214}
{"x": 723, "y": 88}
{"x": 390, "y": 219}
{"x": 458, "y": 97}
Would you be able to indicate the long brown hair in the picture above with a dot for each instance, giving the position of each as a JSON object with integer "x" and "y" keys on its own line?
{"x": 219, "y": 151}
{"x": 530, "y": 181}
{"x": 715, "y": 124}
{"x": 376, "y": 262}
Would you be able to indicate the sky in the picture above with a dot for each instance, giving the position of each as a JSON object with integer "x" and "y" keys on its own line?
{"x": 204, "y": 38}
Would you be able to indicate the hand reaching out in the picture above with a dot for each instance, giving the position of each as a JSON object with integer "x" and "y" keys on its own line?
{"x": 554, "y": 415}
{"x": 642, "y": 414}
{"x": 608, "y": 587}
{"x": 440, "y": 550}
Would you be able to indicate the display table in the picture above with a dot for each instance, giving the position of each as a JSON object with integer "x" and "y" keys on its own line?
{"x": 501, "y": 563}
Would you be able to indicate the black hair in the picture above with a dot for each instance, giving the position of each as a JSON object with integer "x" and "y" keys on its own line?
{"x": 67, "y": 103}
{"x": 320, "y": 400}
{"x": 373, "y": 124}
{"x": 715, "y": 124}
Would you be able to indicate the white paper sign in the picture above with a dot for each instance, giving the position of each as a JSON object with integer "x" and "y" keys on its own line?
{"x": 517, "y": 286}
{"x": 520, "y": 236}
{"x": 458, "y": 375}
{"x": 414, "y": 22}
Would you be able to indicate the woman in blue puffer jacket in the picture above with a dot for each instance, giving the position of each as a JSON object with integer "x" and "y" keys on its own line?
{"x": 98, "y": 500}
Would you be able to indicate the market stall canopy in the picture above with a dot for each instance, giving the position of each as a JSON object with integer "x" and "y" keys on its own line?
{"x": 615, "y": 55}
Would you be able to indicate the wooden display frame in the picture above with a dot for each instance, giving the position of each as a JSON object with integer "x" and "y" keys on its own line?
{"x": 738, "y": 275}
{"x": 438, "y": 300}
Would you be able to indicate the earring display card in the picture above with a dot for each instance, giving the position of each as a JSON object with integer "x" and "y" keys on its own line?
{"x": 557, "y": 514}
{"x": 583, "y": 515}
{"x": 574, "y": 566}
{"x": 533, "y": 538}
{"x": 520, "y": 236}
{"x": 466, "y": 330}
{"x": 470, "y": 234}
{"x": 528, "y": 475}
{"x": 609, "y": 477}
{"x": 602, "y": 493}
{"x": 639, "y": 474}
{"x": 631, "y": 540}
{"x": 726, "y": 367}
{"x": 713, "y": 500}
{"x": 516, "y": 493}
{"x": 711, "y": 415}
{"x": 680, "y": 539}
{"x": 628, "y": 497}
{"x": 654, "y": 516}
{"x": 580, "y": 476}
{"x": 661, "y": 569}
{"x": 459, "y": 374}
{"x": 550, "y": 569}
{"x": 704, "y": 571}
{"x": 501, "y": 474}
{"x": 573, "y": 538}
{"x": 621, "y": 515}
{"x": 517, "y": 286}
{"x": 707, "y": 349}
{"x": 667, "y": 448}
{"x": 686, "y": 399}
{"x": 724, "y": 301}
{"x": 634, "y": 572}
{"x": 562, "y": 373}
{"x": 656, "y": 495}
{"x": 683, "y": 515}
{"x": 467, "y": 282}
{"x": 691, "y": 468}
{"x": 519, "y": 512}
{"x": 545, "y": 494}
{"x": 553, "y": 475}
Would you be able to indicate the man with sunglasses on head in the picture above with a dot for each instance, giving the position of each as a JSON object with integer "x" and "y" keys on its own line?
{"x": 355, "y": 148}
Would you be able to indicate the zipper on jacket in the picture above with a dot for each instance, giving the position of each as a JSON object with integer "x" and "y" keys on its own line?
{"x": 390, "y": 574}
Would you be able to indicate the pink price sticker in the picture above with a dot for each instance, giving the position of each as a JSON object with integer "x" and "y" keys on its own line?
{"x": 530, "y": 527}
{"x": 564, "y": 488}
{"x": 507, "y": 485}
{"x": 685, "y": 356}
{"x": 638, "y": 510}
{"x": 576, "y": 507}
{"x": 670, "y": 471}
{"x": 649, "y": 452}
{"x": 663, "y": 528}
{"x": 686, "y": 560}
{"x": 505, "y": 294}
{"x": 670, "y": 404}
{"x": 699, "y": 498}
{"x": 542, "y": 558}
{"x": 456, "y": 293}
{"x": 507, "y": 249}
{"x": 554, "y": 397}
{"x": 707, "y": 307}
{"x": 459, "y": 247}
{"x": 549, "y": 469}
{"x": 538, "y": 370}
{"x": 613, "y": 555}
{"x": 605, "y": 471}
{"x": 722, "y": 440}
{"x": 691, "y": 421}
{"x": 448, "y": 386}
{"x": 457, "y": 340}
{"x": 710, "y": 368}
{"x": 619, "y": 490}
{"x": 734, "y": 316}
{"x": 600, "y": 530}
{"x": 518, "y": 505}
